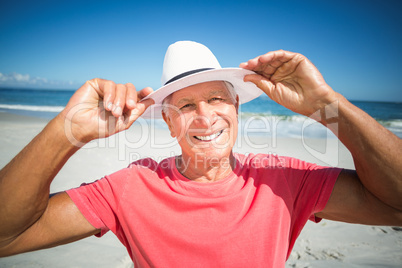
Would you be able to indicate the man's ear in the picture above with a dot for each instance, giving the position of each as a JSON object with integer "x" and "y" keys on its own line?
{"x": 166, "y": 118}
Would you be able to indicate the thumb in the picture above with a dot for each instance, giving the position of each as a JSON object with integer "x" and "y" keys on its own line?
{"x": 261, "y": 82}
{"x": 139, "y": 110}
{"x": 144, "y": 104}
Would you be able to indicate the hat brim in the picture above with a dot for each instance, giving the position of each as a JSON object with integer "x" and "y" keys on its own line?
{"x": 246, "y": 91}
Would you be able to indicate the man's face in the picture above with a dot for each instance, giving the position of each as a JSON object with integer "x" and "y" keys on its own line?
{"x": 203, "y": 118}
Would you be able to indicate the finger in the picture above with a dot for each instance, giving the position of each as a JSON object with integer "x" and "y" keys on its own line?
{"x": 273, "y": 63}
{"x": 276, "y": 58}
{"x": 244, "y": 65}
{"x": 267, "y": 70}
{"x": 105, "y": 91}
{"x": 119, "y": 100}
{"x": 250, "y": 64}
{"x": 143, "y": 105}
{"x": 144, "y": 92}
{"x": 261, "y": 82}
{"x": 131, "y": 96}
{"x": 273, "y": 58}
{"x": 255, "y": 62}
{"x": 297, "y": 61}
{"x": 106, "y": 88}
{"x": 134, "y": 114}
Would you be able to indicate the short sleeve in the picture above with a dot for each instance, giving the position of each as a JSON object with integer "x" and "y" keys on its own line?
{"x": 99, "y": 201}
{"x": 311, "y": 186}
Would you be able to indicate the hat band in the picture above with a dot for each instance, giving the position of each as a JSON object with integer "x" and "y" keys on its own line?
{"x": 177, "y": 77}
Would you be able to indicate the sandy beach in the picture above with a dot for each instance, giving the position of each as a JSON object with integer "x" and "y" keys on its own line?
{"x": 326, "y": 244}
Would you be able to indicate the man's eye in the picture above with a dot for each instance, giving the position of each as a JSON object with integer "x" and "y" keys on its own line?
{"x": 185, "y": 106}
{"x": 215, "y": 99}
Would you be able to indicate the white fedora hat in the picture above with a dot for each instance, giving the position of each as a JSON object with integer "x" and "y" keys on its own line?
{"x": 188, "y": 63}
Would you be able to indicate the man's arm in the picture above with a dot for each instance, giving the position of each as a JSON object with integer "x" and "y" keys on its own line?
{"x": 25, "y": 181}
{"x": 372, "y": 194}
{"x": 60, "y": 223}
{"x": 28, "y": 218}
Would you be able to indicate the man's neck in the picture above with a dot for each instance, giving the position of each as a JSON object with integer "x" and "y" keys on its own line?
{"x": 205, "y": 169}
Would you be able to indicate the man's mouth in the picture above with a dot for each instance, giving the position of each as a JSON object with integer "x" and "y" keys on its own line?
{"x": 210, "y": 137}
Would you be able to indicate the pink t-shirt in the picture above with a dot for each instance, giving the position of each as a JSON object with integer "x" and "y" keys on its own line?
{"x": 251, "y": 218}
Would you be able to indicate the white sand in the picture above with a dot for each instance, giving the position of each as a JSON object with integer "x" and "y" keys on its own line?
{"x": 327, "y": 244}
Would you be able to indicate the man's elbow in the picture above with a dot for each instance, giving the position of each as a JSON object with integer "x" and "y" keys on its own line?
{"x": 7, "y": 247}
{"x": 398, "y": 217}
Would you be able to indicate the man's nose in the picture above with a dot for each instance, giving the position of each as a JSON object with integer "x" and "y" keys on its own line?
{"x": 205, "y": 116}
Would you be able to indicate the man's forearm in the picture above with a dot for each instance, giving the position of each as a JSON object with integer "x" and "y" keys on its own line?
{"x": 376, "y": 151}
{"x": 25, "y": 181}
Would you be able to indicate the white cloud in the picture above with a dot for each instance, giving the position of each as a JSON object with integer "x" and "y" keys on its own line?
{"x": 21, "y": 77}
{"x": 25, "y": 80}
{"x": 2, "y": 77}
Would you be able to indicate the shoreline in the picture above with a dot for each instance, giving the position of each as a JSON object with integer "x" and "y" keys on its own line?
{"x": 326, "y": 244}
{"x": 281, "y": 123}
{"x": 19, "y": 130}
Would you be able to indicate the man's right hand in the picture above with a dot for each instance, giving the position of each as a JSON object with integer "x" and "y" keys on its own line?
{"x": 26, "y": 209}
{"x": 101, "y": 108}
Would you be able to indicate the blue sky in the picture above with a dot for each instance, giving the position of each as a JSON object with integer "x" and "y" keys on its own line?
{"x": 60, "y": 44}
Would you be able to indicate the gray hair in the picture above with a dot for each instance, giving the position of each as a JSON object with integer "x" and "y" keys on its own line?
{"x": 228, "y": 85}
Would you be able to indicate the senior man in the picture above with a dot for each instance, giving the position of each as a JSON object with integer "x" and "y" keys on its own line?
{"x": 208, "y": 207}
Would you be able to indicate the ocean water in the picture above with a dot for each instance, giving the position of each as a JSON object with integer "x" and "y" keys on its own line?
{"x": 261, "y": 116}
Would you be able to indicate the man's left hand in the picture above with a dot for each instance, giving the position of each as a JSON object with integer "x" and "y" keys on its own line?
{"x": 291, "y": 80}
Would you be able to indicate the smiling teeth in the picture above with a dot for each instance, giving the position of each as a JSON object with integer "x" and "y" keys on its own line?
{"x": 210, "y": 137}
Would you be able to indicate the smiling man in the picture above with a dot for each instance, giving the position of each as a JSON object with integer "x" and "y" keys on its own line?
{"x": 209, "y": 206}
{"x": 209, "y": 111}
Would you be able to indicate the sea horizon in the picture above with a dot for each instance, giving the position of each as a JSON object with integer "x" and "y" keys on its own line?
{"x": 2, "y": 87}
{"x": 262, "y": 115}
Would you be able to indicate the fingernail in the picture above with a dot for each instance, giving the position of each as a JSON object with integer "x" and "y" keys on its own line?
{"x": 132, "y": 103}
{"x": 109, "y": 106}
{"x": 118, "y": 110}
